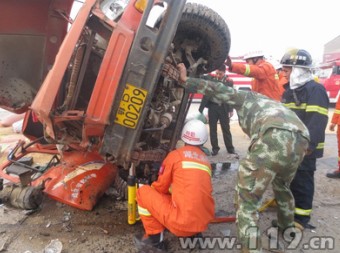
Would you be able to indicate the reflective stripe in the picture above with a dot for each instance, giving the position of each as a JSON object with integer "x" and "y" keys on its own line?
{"x": 276, "y": 77}
{"x": 320, "y": 145}
{"x": 294, "y": 106}
{"x": 318, "y": 109}
{"x": 308, "y": 108}
{"x": 303, "y": 212}
{"x": 143, "y": 211}
{"x": 247, "y": 71}
{"x": 338, "y": 158}
{"x": 197, "y": 166}
{"x": 337, "y": 111}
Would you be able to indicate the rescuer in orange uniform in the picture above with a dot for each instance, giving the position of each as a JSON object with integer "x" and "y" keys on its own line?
{"x": 181, "y": 198}
{"x": 264, "y": 75}
{"x": 282, "y": 79}
{"x": 280, "y": 76}
{"x": 335, "y": 123}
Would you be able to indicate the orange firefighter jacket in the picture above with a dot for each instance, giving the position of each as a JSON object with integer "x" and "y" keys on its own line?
{"x": 282, "y": 81}
{"x": 264, "y": 75}
{"x": 186, "y": 174}
{"x": 336, "y": 113}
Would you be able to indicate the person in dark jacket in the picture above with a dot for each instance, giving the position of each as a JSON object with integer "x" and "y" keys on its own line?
{"x": 219, "y": 112}
{"x": 309, "y": 100}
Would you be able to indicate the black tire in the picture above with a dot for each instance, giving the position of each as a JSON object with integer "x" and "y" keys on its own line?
{"x": 208, "y": 31}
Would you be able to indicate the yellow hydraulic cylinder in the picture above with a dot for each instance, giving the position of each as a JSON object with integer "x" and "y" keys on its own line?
{"x": 132, "y": 189}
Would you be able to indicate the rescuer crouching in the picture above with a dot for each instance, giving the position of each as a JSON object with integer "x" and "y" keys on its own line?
{"x": 181, "y": 199}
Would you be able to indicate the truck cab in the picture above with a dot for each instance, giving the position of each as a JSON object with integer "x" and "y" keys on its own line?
{"x": 329, "y": 76}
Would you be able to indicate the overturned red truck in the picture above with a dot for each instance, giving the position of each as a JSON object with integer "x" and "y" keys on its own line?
{"x": 96, "y": 96}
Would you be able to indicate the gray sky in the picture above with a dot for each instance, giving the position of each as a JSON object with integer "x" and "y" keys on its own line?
{"x": 275, "y": 26}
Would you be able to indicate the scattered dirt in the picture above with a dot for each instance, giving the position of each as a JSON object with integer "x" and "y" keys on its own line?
{"x": 105, "y": 229}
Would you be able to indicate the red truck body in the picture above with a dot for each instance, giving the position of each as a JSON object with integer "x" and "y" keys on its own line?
{"x": 329, "y": 69}
{"x": 103, "y": 96}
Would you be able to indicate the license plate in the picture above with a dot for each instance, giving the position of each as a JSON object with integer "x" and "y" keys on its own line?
{"x": 130, "y": 106}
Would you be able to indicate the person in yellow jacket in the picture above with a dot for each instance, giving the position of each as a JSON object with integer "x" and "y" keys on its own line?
{"x": 264, "y": 75}
{"x": 181, "y": 199}
{"x": 335, "y": 123}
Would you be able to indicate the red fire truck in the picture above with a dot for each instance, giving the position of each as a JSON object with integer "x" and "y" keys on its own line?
{"x": 330, "y": 78}
{"x": 329, "y": 70}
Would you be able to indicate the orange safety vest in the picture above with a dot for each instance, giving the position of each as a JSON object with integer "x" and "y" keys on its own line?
{"x": 264, "y": 77}
{"x": 186, "y": 172}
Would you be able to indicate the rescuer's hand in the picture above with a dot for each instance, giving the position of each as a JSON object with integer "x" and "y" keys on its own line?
{"x": 182, "y": 72}
{"x": 309, "y": 151}
{"x": 332, "y": 126}
{"x": 228, "y": 62}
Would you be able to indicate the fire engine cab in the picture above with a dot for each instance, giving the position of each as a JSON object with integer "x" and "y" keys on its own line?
{"x": 329, "y": 69}
{"x": 330, "y": 77}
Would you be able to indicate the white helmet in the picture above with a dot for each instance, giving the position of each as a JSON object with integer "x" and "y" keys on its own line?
{"x": 276, "y": 64}
{"x": 194, "y": 133}
{"x": 253, "y": 54}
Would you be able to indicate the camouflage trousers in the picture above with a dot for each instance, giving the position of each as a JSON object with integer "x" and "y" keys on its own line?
{"x": 273, "y": 158}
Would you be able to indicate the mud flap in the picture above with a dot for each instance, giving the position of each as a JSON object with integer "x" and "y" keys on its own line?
{"x": 79, "y": 180}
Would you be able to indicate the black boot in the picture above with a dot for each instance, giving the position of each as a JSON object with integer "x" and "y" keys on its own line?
{"x": 145, "y": 242}
{"x": 334, "y": 174}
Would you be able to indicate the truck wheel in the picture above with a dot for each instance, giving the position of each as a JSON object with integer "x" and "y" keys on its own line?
{"x": 205, "y": 34}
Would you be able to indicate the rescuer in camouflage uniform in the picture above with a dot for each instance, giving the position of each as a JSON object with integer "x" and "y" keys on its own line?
{"x": 279, "y": 141}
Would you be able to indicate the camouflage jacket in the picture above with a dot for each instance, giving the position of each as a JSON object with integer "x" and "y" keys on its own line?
{"x": 256, "y": 113}
{"x": 206, "y": 102}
